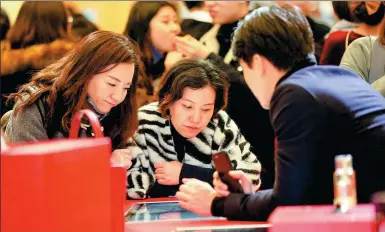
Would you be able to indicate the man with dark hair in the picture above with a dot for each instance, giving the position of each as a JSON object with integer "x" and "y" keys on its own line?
{"x": 317, "y": 112}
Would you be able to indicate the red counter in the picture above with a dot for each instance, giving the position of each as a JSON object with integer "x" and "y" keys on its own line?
{"x": 322, "y": 218}
{"x": 172, "y": 225}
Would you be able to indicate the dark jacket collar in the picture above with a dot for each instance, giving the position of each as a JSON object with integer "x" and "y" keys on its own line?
{"x": 311, "y": 60}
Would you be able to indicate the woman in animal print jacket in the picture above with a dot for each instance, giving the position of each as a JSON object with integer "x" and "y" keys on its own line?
{"x": 178, "y": 135}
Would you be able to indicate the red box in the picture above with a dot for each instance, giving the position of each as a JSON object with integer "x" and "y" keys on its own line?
{"x": 322, "y": 219}
{"x": 62, "y": 185}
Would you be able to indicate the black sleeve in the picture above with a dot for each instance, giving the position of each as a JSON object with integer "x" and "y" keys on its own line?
{"x": 191, "y": 171}
{"x": 299, "y": 123}
{"x": 244, "y": 207}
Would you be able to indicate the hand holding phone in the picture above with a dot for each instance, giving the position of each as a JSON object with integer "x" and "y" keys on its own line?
{"x": 223, "y": 166}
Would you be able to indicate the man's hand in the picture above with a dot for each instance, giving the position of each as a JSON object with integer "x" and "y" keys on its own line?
{"x": 222, "y": 189}
{"x": 196, "y": 196}
{"x": 122, "y": 157}
{"x": 168, "y": 173}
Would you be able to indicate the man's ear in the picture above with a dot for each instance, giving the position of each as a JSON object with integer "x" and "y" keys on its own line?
{"x": 264, "y": 65}
{"x": 256, "y": 63}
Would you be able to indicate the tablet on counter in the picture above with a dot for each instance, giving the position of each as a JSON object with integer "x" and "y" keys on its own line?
{"x": 162, "y": 211}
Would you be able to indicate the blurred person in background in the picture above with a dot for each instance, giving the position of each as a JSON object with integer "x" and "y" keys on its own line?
{"x": 98, "y": 74}
{"x": 153, "y": 25}
{"x": 368, "y": 15}
{"x": 198, "y": 10}
{"x": 366, "y": 56}
{"x": 198, "y": 21}
{"x": 4, "y": 24}
{"x": 247, "y": 113}
{"x": 40, "y": 35}
{"x": 343, "y": 14}
{"x": 81, "y": 26}
{"x": 319, "y": 29}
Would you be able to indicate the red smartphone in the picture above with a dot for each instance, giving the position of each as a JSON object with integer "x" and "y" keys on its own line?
{"x": 223, "y": 166}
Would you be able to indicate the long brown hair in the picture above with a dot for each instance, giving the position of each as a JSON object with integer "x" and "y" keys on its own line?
{"x": 63, "y": 84}
{"x": 39, "y": 22}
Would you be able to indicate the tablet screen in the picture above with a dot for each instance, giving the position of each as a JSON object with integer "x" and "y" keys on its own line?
{"x": 156, "y": 211}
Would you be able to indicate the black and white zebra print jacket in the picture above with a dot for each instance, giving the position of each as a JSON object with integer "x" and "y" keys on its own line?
{"x": 154, "y": 143}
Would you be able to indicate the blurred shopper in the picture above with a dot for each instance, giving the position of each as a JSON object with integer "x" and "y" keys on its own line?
{"x": 198, "y": 20}
{"x": 343, "y": 14}
{"x": 366, "y": 56}
{"x": 153, "y": 25}
{"x": 319, "y": 29}
{"x": 39, "y": 36}
{"x": 368, "y": 15}
{"x": 81, "y": 26}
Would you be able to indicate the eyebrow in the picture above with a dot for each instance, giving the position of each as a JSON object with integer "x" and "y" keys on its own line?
{"x": 117, "y": 79}
{"x": 208, "y": 104}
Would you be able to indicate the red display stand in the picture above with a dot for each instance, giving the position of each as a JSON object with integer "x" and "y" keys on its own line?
{"x": 62, "y": 185}
{"x": 322, "y": 219}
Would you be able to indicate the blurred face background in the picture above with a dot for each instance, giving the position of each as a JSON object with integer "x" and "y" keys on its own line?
{"x": 164, "y": 26}
{"x": 223, "y": 12}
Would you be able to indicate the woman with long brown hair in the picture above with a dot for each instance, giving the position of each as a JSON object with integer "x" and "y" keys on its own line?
{"x": 100, "y": 74}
